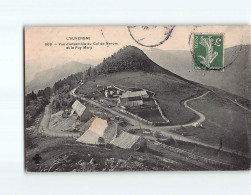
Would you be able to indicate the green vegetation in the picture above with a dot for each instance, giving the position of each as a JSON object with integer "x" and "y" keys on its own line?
{"x": 61, "y": 90}
{"x": 128, "y": 68}
{"x": 58, "y": 156}
{"x": 169, "y": 90}
{"x": 225, "y": 121}
{"x": 65, "y": 85}
{"x": 128, "y": 58}
{"x": 35, "y": 103}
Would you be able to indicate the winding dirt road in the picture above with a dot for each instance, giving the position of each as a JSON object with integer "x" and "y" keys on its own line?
{"x": 201, "y": 116}
{"x": 164, "y": 130}
{"x": 44, "y": 126}
{"x": 133, "y": 121}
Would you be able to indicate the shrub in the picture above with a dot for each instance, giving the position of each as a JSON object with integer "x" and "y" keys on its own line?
{"x": 169, "y": 141}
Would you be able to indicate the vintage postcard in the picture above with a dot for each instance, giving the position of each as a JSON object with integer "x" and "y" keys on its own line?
{"x": 137, "y": 98}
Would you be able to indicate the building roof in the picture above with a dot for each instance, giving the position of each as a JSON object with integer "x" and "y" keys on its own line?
{"x": 96, "y": 130}
{"x": 134, "y": 94}
{"x": 78, "y": 108}
{"x": 89, "y": 137}
{"x": 132, "y": 103}
{"x": 125, "y": 140}
{"x": 98, "y": 126}
{"x": 112, "y": 134}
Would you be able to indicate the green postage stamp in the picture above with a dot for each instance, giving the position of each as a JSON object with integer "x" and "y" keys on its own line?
{"x": 208, "y": 51}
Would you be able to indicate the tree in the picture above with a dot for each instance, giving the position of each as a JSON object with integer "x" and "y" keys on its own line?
{"x": 101, "y": 140}
{"x": 47, "y": 93}
{"x": 89, "y": 72}
{"x": 94, "y": 72}
{"x": 170, "y": 141}
{"x": 157, "y": 134}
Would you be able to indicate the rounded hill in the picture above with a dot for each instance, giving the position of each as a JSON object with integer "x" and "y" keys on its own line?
{"x": 128, "y": 58}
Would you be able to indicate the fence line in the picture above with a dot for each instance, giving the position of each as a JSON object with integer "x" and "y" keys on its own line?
{"x": 127, "y": 112}
{"x": 54, "y": 134}
{"x": 141, "y": 119}
{"x": 160, "y": 110}
{"x": 196, "y": 157}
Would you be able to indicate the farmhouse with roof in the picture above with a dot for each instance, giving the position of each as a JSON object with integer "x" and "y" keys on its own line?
{"x": 81, "y": 111}
{"x": 133, "y": 98}
{"x": 95, "y": 133}
{"x": 100, "y": 132}
{"x": 127, "y": 140}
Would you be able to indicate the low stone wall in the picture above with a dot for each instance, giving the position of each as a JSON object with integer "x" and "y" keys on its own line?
{"x": 54, "y": 134}
{"x": 199, "y": 158}
{"x": 160, "y": 110}
{"x": 144, "y": 120}
{"x": 135, "y": 116}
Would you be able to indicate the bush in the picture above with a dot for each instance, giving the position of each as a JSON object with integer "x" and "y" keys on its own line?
{"x": 157, "y": 134}
{"x": 169, "y": 141}
{"x": 101, "y": 140}
{"x": 34, "y": 108}
{"x": 61, "y": 102}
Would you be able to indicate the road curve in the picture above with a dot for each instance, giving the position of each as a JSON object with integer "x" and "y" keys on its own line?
{"x": 201, "y": 116}
{"x": 200, "y": 120}
{"x": 164, "y": 130}
{"x": 135, "y": 121}
{"x": 44, "y": 126}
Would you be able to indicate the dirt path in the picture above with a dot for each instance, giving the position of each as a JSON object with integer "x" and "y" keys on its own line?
{"x": 201, "y": 116}
{"x": 143, "y": 125}
{"x": 44, "y": 125}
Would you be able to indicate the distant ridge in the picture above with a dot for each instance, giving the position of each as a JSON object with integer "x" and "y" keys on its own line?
{"x": 235, "y": 79}
{"x": 48, "y": 77}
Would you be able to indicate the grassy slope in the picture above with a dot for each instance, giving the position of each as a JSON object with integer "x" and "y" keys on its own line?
{"x": 170, "y": 91}
{"x": 224, "y": 120}
{"x": 76, "y": 157}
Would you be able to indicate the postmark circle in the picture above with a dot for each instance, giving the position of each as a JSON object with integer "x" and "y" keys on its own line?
{"x": 150, "y": 36}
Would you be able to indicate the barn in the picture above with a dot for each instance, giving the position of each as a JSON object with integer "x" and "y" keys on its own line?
{"x": 127, "y": 141}
{"x": 133, "y": 98}
{"x": 100, "y": 132}
{"x": 81, "y": 110}
{"x": 94, "y": 132}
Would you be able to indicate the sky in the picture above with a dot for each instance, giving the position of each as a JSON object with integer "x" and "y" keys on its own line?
{"x": 37, "y": 37}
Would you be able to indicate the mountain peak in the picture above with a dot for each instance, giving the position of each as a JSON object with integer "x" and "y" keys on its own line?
{"x": 129, "y": 58}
